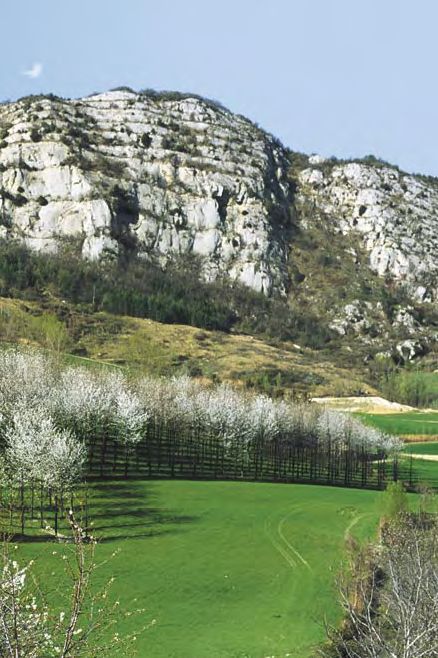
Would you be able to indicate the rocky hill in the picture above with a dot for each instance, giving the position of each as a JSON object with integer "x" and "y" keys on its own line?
{"x": 151, "y": 173}
{"x": 394, "y": 216}
{"x": 159, "y": 175}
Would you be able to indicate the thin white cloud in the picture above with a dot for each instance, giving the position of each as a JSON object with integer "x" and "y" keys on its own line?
{"x": 35, "y": 71}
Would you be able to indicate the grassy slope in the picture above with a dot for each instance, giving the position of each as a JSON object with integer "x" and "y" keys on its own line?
{"x": 405, "y": 423}
{"x": 422, "y": 448}
{"x": 159, "y": 348}
{"x": 226, "y": 569}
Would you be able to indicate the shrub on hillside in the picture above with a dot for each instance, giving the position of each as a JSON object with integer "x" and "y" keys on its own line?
{"x": 140, "y": 288}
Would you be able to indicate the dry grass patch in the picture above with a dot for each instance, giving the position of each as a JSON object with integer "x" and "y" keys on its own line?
{"x": 152, "y": 347}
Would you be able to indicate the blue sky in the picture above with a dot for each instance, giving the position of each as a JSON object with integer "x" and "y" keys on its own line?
{"x": 336, "y": 77}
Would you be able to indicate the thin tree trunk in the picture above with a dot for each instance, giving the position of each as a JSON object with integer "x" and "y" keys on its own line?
{"x": 22, "y": 506}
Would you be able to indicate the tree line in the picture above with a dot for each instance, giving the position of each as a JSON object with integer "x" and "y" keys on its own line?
{"x": 59, "y": 425}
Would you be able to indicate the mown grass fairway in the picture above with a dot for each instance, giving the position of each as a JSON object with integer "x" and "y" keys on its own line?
{"x": 430, "y": 448}
{"x": 406, "y": 423}
{"x": 412, "y": 426}
{"x": 227, "y": 569}
{"x": 425, "y": 470}
{"x": 425, "y": 473}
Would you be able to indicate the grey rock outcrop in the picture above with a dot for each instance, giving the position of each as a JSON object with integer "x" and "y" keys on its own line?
{"x": 158, "y": 175}
{"x": 409, "y": 349}
{"x": 394, "y": 215}
{"x": 162, "y": 175}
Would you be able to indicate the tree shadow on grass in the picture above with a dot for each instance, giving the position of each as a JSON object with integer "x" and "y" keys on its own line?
{"x": 123, "y": 510}
{"x": 117, "y": 509}
{"x": 30, "y": 539}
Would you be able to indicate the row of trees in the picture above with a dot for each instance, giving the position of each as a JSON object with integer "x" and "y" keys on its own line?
{"x": 82, "y": 400}
{"x": 58, "y": 423}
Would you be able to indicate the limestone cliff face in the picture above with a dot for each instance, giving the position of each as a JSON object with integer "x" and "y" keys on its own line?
{"x": 393, "y": 215}
{"x": 153, "y": 174}
{"x": 163, "y": 174}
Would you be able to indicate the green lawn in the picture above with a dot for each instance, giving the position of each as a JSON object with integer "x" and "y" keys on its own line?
{"x": 425, "y": 473}
{"x": 403, "y": 423}
{"x": 430, "y": 448}
{"x": 226, "y": 569}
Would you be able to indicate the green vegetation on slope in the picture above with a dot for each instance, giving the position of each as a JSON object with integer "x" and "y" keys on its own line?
{"x": 227, "y": 570}
{"x": 139, "y": 288}
{"x": 413, "y": 387}
{"x": 279, "y": 368}
{"x": 74, "y": 305}
{"x": 406, "y": 423}
{"x": 73, "y": 289}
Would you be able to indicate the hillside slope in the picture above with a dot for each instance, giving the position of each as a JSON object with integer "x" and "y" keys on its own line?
{"x": 349, "y": 247}
{"x": 153, "y": 347}
{"x": 393, "y": 215}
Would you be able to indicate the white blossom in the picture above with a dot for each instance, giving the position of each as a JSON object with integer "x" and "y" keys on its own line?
{"x": 37, "y": 451}
{"x": 39, "y": 401}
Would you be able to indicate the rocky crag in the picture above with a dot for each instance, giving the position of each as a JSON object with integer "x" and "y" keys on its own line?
{"x": 149, "y": 173}
{"x": 393, "y": 215}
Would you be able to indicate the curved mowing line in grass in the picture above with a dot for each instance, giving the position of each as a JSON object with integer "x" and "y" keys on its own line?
{"x": 283, "y": 552}
{"x": 353, "y": 523}
{"x": 288, "y": 544}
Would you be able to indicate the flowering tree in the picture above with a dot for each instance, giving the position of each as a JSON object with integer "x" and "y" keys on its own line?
{"x": 24, "y": 619}
{"x": 26, "y": 379}
{"x": 79, "y": 399}
{"x": 128, "y": 415}
{"x": 30, "y": 627}
{"x": 38, "y": 452}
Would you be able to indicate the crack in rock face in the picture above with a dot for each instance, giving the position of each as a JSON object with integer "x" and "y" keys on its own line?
{"x": 153, "y": 174}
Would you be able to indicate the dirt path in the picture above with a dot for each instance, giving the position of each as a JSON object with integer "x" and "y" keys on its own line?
{"x": 369, "y": 404}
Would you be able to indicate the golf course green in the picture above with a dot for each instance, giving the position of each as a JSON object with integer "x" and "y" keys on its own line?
{"x": 430, "y": 448}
